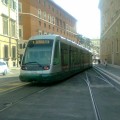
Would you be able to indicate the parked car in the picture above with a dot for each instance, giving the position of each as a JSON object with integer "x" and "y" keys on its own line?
{"x": 3, "y": 67}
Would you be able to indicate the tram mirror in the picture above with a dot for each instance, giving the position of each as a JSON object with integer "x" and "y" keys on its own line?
{"x": 30, "y": 44}
{"x": 20, "y": 63}
{"x": 24, "y": 45}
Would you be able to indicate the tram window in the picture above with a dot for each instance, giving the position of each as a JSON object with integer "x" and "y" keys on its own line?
{"x": 73, "y": 56}
{"x": 64, "y": 55}
{"x": 56, "y": 54}
{"x": 38, "y": 51}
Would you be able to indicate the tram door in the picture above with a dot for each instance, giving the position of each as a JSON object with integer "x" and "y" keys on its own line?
{"x": 56, "y": 60}
{"x": 64, "y": 56}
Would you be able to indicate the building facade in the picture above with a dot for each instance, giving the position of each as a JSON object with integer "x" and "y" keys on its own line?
{"x": 9, "y": 31}
{"x": 110, "y": 31}
{"x": 95, "y": 48}
{"x": 44, "y": 17}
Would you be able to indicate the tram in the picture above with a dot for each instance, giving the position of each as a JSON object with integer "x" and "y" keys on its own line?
{"x": 51, "y": 58}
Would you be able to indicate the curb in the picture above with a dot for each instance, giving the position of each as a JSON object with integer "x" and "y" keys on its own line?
{"x": 109, "y": 74}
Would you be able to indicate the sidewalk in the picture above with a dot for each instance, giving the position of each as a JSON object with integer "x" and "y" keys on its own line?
{"x": 110, "y": 71}
{"x": 14, "y": 70}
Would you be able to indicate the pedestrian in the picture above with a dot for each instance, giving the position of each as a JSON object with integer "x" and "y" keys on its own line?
{"x": 98, "y": 61}
{"x": 105, "y": 62}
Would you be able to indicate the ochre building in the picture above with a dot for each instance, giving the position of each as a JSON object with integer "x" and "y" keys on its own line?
{"x": 9, "y": 31}
{"x": 110, "y": 31}
{"x": 44, "y": 17}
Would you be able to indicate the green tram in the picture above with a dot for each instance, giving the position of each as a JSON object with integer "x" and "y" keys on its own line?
{"x": 50, "y": 58}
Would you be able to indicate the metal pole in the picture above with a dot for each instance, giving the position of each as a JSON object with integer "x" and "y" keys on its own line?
{"x": 9, "y": 33}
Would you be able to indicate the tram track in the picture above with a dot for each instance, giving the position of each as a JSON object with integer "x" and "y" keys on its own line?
{"x": 105, "y": 96}
{"x": 10, "y": 86}
{"x": 111, "y": 80}
{"x": 87, "y": 95}
{"x": 68, "y": 100}
{"x": 7, "y": 101}
{"x": 102, "y": 83}
{"x": 96, "y": 111}
{"x": 5, "y": 81}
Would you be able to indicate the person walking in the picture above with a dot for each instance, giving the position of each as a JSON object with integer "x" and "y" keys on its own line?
{"x": 105, "y": 62}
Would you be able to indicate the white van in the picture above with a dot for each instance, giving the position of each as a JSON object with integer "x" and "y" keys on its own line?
{"x": 3, "y": 67}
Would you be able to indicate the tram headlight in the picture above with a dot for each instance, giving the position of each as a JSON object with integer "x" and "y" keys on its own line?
{"x": 24, "y": 67}
{"x": 46, "y": 67}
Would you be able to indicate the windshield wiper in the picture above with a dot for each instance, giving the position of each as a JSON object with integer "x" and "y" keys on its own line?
{"x": 33, "y": 63}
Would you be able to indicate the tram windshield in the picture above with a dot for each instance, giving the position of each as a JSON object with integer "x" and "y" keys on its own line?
{"x": 39, "y": 52}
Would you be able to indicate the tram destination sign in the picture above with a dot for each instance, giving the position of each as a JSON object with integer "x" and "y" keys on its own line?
{"x": 41, "y": 41}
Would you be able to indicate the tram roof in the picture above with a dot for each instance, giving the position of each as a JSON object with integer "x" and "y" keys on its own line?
{"x": 65, "y": 40}
{"x": 52, "y": 36}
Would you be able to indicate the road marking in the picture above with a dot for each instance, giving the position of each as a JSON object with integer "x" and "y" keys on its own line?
{"x": 11, "y": 86}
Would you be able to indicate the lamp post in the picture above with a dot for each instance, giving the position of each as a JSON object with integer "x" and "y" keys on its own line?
{"x": 9, "y": 34}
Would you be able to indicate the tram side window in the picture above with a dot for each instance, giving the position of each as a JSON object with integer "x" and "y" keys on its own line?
{"x": 56, "y": 54}
{"x": 85, "y": 58}
{"x": 79, "y": 57}
{"x": 64, "y": 55}
{"x": 76, "y": 56}
{"x": 73, "y": 56}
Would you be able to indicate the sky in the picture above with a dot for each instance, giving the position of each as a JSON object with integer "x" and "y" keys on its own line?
{"x": 87, "y": 14}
